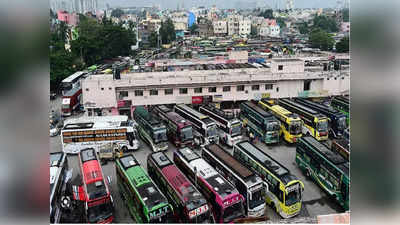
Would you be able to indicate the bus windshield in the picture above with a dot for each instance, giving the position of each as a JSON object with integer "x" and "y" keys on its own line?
{"x": 293, "y": 196}
{"x": 273, "y": 126}
{"x": 322, "y": 126}
{"x": 236, "y": 129}
{"x": 232, "y": 212}
{"x": 211, "y": 131}
{"x": 257, "y": 198}
{"x": 160, "y": 136}
{"x": 295, "y": 127}
{"x": 202, "y": 218}
{"x": 99, "y": 212}
{"x": 342, "y": 123}
{"x": 186, "y": 133}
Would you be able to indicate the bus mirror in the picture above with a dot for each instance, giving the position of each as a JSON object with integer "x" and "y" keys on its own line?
{"x": 109, "y": 179}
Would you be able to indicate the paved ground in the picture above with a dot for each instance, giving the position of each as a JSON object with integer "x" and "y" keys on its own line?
{"x": 315, "y": 201}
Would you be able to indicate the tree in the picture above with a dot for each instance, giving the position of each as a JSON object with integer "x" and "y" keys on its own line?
{"x": 345, "y": 14}
{"x": 193, "y": 28}
{"x": 281, "y": 22}
{"x": 167, "y": 32}
{"x": 303, "y": 28}
{"x": 268, "y": 14}
{"x": 117, "y": 13}
{"x": 343, "y": 45}
{"x": 153, "y": 38}
{"x": 321, "y": 39}
{"x": 325, "y": 23}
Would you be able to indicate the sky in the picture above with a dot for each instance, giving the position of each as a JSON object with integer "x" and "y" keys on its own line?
{"x": 172, "y": 4}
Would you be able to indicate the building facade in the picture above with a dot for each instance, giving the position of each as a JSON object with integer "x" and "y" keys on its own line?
{"x": 285, "y": 78}
{"x": 220, "y": 27}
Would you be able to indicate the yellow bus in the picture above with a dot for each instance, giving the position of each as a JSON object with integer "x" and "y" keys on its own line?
{"x": 284, "y": 190}
{"x": 315, "y": 124}
{"x": 291, "y": 124}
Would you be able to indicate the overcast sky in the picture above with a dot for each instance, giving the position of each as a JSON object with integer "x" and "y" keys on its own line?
{"x": 172, "y": 4}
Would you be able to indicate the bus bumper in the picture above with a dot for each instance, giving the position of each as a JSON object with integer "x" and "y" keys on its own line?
{"x": 257, "y": 212}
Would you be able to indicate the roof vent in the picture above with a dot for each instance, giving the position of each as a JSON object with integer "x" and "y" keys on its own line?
{"x": 163, "y": 158}
{"x": 98, "y": 184}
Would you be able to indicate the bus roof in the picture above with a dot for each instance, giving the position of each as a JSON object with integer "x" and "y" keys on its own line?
{"x": 192, "y": 111}
{"x": 323, "y": 107}
{"x": 231, "y": 162}
{"x": 164, "y": 108}
{"x": 219, "y": 112}
{"x": 257, "y": 109}
{"x": 146, "y": 115}
{"x": 160, "y": 159}
{"x": 71, "y": 92}
{"x": 149, "y": 192}
{"x": 301, "y": 107}
{"x": 188, "y": 154}
{"x": 263, "y": 158}
{"x": 73, "y": 76}
{"x": 279, "y": 109}
{"x": 176, "y": 118}
{"x": 332, "y": 156}
{"x": 86, "y": 119}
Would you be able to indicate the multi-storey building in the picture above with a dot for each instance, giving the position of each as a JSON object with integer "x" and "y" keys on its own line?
{"x": 220, "y": 27}
{"x": 245, "y": 27}
{"x": 229, "y": 83}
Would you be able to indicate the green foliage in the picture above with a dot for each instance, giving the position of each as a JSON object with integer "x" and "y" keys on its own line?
{"x": 268, "y": 14}
{"x": 346, "y": 15}
{"x": 167, "y": 32}
{"x": 281, "y": 22}
{"x": 117, "y": 13}
{"x": 325, "y": 23}
{"x": 321, "y": 39}
{"x": 153, "y": 39}
{"x": 343, "y": 45}
{"x": 193, "y": 28}
{"x": 303, "y": 28}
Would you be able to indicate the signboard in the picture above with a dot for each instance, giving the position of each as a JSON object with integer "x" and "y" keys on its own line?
{"x": 265, "y": 95}
{"x": 198, "y": 211}
{"x": 66, "y": 101}
{"x": 197, "y": 99}
{"x": 217, "y": 98}
{"x": 94, "y": 135}
{"x": 124, "y": 103}
{"x": 231, "y": 200}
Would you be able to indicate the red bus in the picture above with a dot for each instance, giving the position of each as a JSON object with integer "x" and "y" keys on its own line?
{"x": 225, "y": 200}
{"x": 94, "y": 192}
{"x": 179, "y": 130}
{"x": 189, "y": 204}
{"x": 70, "y": 101}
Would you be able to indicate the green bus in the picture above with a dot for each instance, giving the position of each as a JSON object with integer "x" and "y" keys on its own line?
{"x": 259, "y": 122}
{"x": 327, "y": 168}
{"x": 144, "y": 200}
{"x": 343, "y": 105}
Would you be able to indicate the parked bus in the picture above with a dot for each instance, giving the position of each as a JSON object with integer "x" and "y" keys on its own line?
{"x": 284, "y": 193}
{"x": 259, "y": 122}
{"x": 93, "y": 132}
{"x": 230, "y": 126}
{"x": 315, "y": 124}
{"x": 145, "y": 202}
{"x": 226, "y": 201}
{"x": 337, "y": 118}
{"x": 249, "y": 184}
{"x": 341, "y": 146}
{"x": 99, "y": 206}
{"x": 202, "y": 123}
{"x": 151, "y": 129}
{"x": 189, "y": 204}
{"x": 179, "y": 130}
{"x": 291, "y": 124}
{"x": 58, "y": 168}
{"x": 72, "y": 81}
{"x": 327, "y": 168}
{"x": 343, "y": 105}
{"x": 71, "y": 100}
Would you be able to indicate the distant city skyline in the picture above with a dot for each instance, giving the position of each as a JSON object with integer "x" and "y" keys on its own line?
{"x": 173, "y": 4}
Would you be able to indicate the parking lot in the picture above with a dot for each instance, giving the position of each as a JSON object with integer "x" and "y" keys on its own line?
{"x": 315, "y": 201}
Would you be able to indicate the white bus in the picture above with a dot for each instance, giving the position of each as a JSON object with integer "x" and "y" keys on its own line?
{"x": 230, "y": 127}
{"x": 58, "y": 169}
{"x": 93, "y": 132}
{"x": 72, "y": 81}
{"x": 202, "y": 123}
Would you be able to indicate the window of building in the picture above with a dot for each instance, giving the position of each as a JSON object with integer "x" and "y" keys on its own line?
{"x": 240, "y": 88}
{"x": 183, "y": 91}
{"x": 255, "y": 87}
{"x": 198, "y": 90}
{"x": 123, "y": 93}
{"x": 226, "y": 89}
{"x": 153, "y": 92}
{"x": 168, "y": 91}
{"x": 280, "y": 67}
{"x": 342, "y": 78}
{"x": 212, "y": 89}
{"x": 102, "y": 89}
{"x": 138, "y": 92}
{"x": 87, "y": 89}
{"x": 277, "y": 89}
{"x": 307, "y": 84}
{"x": 110, "y": 88}
{"x": 268, "y": 86}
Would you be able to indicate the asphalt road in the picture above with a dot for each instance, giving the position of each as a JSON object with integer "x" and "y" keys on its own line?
{"x": 315, "y": 201}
